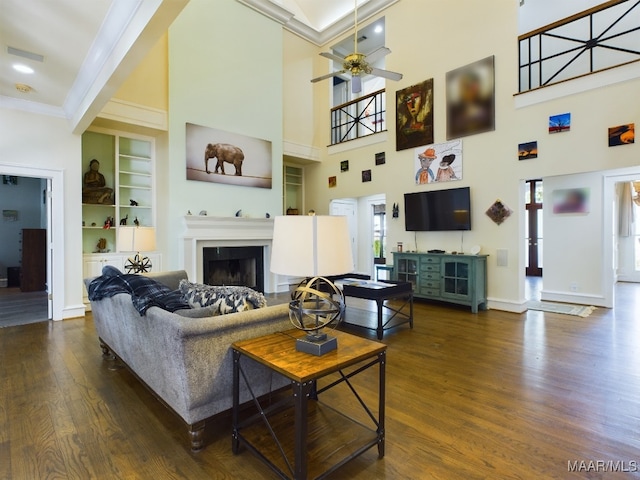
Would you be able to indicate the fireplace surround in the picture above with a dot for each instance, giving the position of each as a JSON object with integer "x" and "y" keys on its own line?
{"x": 201, "y": 231}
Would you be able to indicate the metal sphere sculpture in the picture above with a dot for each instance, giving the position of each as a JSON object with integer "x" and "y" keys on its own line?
{"x": 138, "y": 264}
{"x": 316, "y": 304}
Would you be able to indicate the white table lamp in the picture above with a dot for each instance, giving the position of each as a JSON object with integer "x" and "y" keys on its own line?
{"x": 313, "y": 247}
{"x": 137, "y": 239}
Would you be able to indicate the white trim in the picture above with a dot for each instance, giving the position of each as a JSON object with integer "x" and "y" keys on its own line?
{"x": 135, "y": 114}
{"x": 298, "y": 150}
{"x": 601, "y": 79}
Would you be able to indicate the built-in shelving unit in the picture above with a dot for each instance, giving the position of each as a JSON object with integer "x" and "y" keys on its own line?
{"x": 128, "y": 165}
{"x": 293, "y": 195}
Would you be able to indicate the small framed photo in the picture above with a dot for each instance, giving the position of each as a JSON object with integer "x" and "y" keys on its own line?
{"x": 333, "y": 181}
{"x": 528, "y": 150}
{"x": 622, "y": 135}
{"x": 560, "y": 123}
{"x": 10, "y": 215}
{"x": 366, "y": 175}
{"x": 380, "y": 158}
{"x": 9, "y": 180}
{"x": 344, "y": 166}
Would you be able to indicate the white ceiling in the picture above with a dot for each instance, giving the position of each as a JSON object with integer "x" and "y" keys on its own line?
{"x": 88, "y": 47}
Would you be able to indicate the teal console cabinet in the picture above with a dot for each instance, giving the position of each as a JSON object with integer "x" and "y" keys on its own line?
{"x": 459, "y": 279}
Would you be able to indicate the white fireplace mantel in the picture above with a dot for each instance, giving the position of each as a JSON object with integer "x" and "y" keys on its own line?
{"x": 202, "y": 231}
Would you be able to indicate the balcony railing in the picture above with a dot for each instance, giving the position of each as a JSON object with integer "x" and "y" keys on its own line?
{"x": 358, "y": 118}
{"x": 597, "y": 39}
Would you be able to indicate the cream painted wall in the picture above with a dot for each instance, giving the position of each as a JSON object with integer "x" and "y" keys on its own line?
{"x": 491, "y": 167}
{"x": 148, "y": 84}
{"x": 226, "y": 73}
{"x": 298, "y": 60}
{"x": 38, "y": 145}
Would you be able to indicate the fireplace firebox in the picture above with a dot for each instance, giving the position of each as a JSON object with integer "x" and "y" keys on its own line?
{"x": 235, "y": 266}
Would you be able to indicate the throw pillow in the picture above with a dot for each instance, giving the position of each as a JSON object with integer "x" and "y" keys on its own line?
{"x": 224, "y": 299}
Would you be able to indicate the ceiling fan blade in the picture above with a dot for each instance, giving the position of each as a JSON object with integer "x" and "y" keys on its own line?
{"x": 386, "y": 74}
{"x": 331, "y": 56}
{"x": 377, "y": 54}
{"x": 328, "y": 75}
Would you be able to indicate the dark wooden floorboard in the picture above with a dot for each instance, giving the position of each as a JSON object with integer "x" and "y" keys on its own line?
{"x": 488, "y": 396}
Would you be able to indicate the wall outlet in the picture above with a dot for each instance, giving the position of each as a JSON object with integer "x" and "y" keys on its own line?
{"x": 573, "y": 286}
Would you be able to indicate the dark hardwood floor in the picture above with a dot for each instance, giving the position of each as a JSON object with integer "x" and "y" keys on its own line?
{"x": 20, "y": 308}
{"x": 494, "y": 395}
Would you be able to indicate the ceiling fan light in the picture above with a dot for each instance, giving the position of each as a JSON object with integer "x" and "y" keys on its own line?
{"x": 356, "y": 84}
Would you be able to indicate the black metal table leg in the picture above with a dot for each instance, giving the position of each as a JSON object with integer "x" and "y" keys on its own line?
{"x": 235, "y": 443}
{"x": 380, "y": 329}
{"x": 381, "y": 404}
{"x": 301, "y": 392}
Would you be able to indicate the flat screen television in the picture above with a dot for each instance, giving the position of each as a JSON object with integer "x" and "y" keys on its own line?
{"x": 438, "y": 210}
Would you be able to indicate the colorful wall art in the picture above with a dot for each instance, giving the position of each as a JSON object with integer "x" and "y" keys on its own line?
{"x": 439, "y": 162}
{"x": 560, "y": 123}
{"x": 528, "y": 150}
{"x": 414, "y": 115}
{"x": 471, "y": 99}
{"x": 571, "y": 200}
{"x": 622, "y": 135}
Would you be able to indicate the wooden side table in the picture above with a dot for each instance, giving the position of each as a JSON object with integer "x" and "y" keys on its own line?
{"x": 311, "y": 417}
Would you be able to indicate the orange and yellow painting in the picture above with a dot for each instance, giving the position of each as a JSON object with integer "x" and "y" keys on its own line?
{"x": 622, "y": 135}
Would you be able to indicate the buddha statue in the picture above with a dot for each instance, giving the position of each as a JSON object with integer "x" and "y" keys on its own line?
{"x": 93, "y": 186}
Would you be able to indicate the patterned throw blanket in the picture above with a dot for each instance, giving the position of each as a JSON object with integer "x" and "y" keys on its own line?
{"x": 145, "y": 292}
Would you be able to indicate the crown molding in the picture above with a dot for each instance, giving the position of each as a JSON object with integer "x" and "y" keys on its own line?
{"x": 317, "y": 37}
{"x": 31, "y": 107}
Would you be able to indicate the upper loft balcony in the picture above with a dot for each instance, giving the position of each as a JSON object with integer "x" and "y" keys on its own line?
{"x": 595, "y": 40}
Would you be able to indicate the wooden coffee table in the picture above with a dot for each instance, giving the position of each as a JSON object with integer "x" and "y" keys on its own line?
{"x": 299, "y": 427}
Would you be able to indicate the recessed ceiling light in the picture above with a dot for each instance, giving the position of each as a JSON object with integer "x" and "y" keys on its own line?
{"x": 378, "y": 29}
{"x": 20, "y": 67}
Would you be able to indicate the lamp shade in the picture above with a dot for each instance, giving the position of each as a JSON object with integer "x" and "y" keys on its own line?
{"x": 136, "y": 239}
{"x": 309, "y": 246}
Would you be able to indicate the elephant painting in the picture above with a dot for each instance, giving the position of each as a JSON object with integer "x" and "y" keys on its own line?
{"x": 224, "y": 153}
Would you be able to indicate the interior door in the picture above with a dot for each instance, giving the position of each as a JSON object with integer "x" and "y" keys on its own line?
{"x": 349, "y": 209}
{"x": 533, "y": 228}
{"x": 49, "y": 213}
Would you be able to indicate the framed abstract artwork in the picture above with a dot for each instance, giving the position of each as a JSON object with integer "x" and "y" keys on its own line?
{"x": 414, "y": 115}
{"x": 471, "y": 99}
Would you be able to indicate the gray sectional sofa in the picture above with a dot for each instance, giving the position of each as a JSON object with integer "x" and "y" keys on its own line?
{"x": 186, "y": 361}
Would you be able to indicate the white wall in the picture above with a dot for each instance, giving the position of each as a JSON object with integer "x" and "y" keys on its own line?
{"x": 225, "y": 73}
{"x": 538, "y": 13}
{"x": 42, "y": 146}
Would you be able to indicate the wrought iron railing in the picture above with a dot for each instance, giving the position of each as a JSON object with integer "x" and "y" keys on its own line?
{"x": 597, "y": 39}
{"x": 358, "y": 118}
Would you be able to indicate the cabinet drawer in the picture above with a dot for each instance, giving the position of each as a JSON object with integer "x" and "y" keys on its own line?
{"x": 430, "y": 267}
{"x": 431, "y": 259}
{"x": 430, "y": 275}
{"x": 427, "y": 272}
{"x": 430, "y": 292}
{"x": 430, "y": 283}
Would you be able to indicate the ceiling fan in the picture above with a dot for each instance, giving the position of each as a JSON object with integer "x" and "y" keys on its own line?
{"x": 359, "y": 64}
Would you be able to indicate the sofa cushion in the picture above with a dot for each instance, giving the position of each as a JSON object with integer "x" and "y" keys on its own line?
{"x": 199, "y": 312}
{"x": 224, "y": 299}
